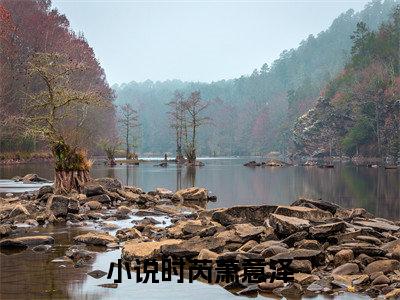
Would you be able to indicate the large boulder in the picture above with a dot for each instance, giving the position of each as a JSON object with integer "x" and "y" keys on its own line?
{"x": 57, "y": 205}
{"x": 254, "y": 214}
{"x": 109, "y": 184}
{"x": 33, "y": 178}
{"x": 325, "y": 230}
{"x": 96, "y": 238}
{"x": 285, "y": 225}
{"x": 93, "y": 189}
{"x": 311, "y": 214}
{"x": 384, "y": 265}
{"x": 26, "y": 241}
{"x": 103, "y": 198}
{"x": 378, "y": 225}
{"x": 316, "y": 257}
{"x": 323, "y": 205}
{"x": 135, "y": 249}
{"x": 191, "y": 194}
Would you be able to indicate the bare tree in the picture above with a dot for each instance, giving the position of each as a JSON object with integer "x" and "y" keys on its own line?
{"x": 128, "y": 120}
{"x": 194, "y": 107}
{"x": 55, "y": 103}
{"x": 178, "y": 122}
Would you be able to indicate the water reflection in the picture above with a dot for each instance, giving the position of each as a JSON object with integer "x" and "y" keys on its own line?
{"x": 377, "y": 190}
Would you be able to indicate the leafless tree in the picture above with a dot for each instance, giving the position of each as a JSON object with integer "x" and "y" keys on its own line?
{"x": 128, "y": 120}
{"x": 178, "y": 121}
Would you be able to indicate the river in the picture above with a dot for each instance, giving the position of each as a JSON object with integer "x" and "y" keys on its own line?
{"x": 31, "y": 275}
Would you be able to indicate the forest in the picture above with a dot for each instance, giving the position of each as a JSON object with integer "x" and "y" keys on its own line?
{"x": 255, "y": 114}
{"x": 252, "y": 114}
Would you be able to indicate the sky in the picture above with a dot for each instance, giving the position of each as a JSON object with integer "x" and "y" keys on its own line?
{"x": 198, "y": 40}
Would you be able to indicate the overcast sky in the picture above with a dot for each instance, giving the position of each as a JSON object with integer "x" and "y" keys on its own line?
{"x": 195, "y": 40}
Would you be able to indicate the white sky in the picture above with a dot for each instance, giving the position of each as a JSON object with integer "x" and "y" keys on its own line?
{"x": 195, "y": 40}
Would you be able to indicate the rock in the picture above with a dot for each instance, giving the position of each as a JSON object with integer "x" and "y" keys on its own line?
{"x": 128, "y": 234}
{"x": 164, "y": 193}
{"x": 394, "y": 294}
{"x": 349, "y": 214}
{"x": 252, "y": 164}
{"x": 269, "y": 286}
{"x": 273, "y": 250}
{"x": 109, "y": 285}
{"x": 346, "y": 269}
{"x": 295, "y": 237}
{"x": 18, "y": 209}
{"x": 57, "y": 205}
{"x": 123, "y": 210}
{"x": 248, "y": 245}
{"x": 302, "y": 266}
{"x": 305, "y": 279}
{"x": 144, "y": 250}
{"x": 47, "y": 189}
{"x": 378, "y": 225}
{"x": 254, "y": 214}
{"x": 95, "y": 238}
{"x": 325, "y": 230}
{"x": 249, "y": 291}
{"x": 103, "y": 198}
{"x": 323, "y": 205}
{"x": 306, "y": 213}
{"x": 382, "y": 279}
{"x": 26, "y": 241}
{"x": 97, "y": 274}
{"x": 248, "y": 231}
{"x": 189, "y": 194}
{"x": 109, "y": 184}
{"x": 77, "y": 252}
{"x": 207, "y": 254}
{"x": 321, "y": 285}
{"x": 41, "y": 248}
{"x": 308, "y": 244}
{"x": 284, "y": 225}
{"x": 316, "y": 257}
{"x": 9, "y": 195}
{"x": 193, "y": 246}
{"x": 128, "y": 195}
{"x": 5, "y": 230}
{"x": 343, "y": 256}
{"x": 91, "y": 189}
{"x": 93, "y": 205}
{"x": 359, "y": 248}
{"x": 109, "y": 226}
{"x": 264, "y": 245}
{"x": 386, "y": 266}
{"x": 33, "y": 178}
{"x": 292, "y": 290}
{"x": 369, "y": 239}
{"x": 73, "y": 206}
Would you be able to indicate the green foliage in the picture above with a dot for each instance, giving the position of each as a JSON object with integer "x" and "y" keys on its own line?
{"x": 69, "y": 159}
{"x": 360, "y": 134}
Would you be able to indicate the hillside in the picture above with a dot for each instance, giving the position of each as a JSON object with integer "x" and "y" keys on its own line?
{"x": 359, "y": 111}
{"x": 254, "y": 114}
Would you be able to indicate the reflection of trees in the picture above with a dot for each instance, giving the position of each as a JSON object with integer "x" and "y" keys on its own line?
{"x": 190, "y": 176}
{"x": 178, "y": 176}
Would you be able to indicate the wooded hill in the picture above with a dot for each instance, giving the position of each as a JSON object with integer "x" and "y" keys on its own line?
{"x": 255, "y": 113}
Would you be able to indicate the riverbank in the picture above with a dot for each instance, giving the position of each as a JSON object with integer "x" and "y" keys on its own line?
{"x": 332, "y": 249}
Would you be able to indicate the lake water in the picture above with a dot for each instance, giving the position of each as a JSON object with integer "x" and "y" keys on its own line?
{"x": 375, "y": 189}
{"x": 30, "y": 275}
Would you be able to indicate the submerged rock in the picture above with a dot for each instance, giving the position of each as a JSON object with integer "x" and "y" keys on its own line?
{"x": 95, "y": 238}
{"x": 26, "y": 241}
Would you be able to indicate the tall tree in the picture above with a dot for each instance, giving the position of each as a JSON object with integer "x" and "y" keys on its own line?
{"x": 177, "y": 119}
{"x": 195, "y": 107}
{"x": 128, "y": 120}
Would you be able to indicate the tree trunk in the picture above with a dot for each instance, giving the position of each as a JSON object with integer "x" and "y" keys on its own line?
{"x": 68, "y": 181}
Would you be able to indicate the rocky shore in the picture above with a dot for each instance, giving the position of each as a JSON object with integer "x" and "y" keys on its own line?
{"x": 333, "y": 249}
